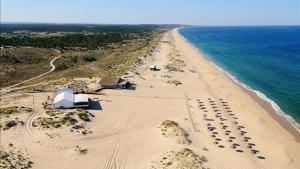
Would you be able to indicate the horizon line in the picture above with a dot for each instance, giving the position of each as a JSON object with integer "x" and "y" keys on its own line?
{"x": 175, "y": 24}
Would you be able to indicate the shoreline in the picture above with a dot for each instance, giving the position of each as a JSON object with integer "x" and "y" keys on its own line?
{"x": 206, "y": 114}
{"x": 286, "y": 121}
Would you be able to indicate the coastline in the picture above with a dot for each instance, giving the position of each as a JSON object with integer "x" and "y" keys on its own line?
{"x": 128, "y": 129}
{"x": 286, "y": 121}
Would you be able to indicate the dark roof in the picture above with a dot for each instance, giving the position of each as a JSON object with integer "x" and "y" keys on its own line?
{"x": 109, "y": 80}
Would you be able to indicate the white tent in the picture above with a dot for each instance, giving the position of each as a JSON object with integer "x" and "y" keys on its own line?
{"x": 64, "y": 99}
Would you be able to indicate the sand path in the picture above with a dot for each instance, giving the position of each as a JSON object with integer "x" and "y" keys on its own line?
{"x": 126, "y": 131}
{"x": 13, "y": 87}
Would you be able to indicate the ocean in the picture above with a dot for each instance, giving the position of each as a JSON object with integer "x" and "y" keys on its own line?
{"x": 265, "y": 59}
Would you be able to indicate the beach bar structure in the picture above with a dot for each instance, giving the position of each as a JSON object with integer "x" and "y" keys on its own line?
{"x": 65, "y": 98}
{"x": 112, "y": 82}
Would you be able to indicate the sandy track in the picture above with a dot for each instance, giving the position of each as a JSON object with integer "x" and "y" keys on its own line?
{"x": 119, "y": 152}
{"x": 104, "y": 134}
{"x": 28, "y": 123}
{"x": 10, "y": 88}
{"x": 190, "y": 113}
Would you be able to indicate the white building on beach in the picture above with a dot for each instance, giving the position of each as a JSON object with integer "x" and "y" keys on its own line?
{"x": 65, "y": 98}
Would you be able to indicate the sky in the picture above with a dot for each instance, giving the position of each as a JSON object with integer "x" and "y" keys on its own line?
{"x": 191, "y": 12}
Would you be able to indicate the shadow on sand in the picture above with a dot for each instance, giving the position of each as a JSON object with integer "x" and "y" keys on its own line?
{"x": 95, "y": 105}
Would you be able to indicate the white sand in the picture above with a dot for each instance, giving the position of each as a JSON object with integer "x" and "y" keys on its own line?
{"x": 126, "y": 131}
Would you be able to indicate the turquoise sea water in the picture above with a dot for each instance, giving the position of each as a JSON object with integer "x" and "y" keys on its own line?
{"x": 267, "y": 59}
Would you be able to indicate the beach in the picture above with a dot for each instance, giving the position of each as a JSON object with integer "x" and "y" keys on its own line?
{"x": 188, "y": 106}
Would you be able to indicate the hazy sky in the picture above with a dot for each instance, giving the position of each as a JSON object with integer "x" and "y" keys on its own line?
{"x": 197, "y": 12}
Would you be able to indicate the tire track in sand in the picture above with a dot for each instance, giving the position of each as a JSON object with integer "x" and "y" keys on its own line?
{"x": 119, "y": 152}
{"x": 190, "y": 113}
{"x": 28, "y": 123}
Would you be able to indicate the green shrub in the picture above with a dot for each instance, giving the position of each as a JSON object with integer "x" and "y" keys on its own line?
{"x": 89, "y": 58}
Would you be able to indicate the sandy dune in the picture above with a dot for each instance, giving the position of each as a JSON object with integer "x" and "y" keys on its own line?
{"x": 224, "y": 124}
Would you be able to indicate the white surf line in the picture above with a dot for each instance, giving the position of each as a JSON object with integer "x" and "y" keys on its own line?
{"x": 43, "y": 74}
{"x": 190, "y": 114}
{"x": 259, "y": 94}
